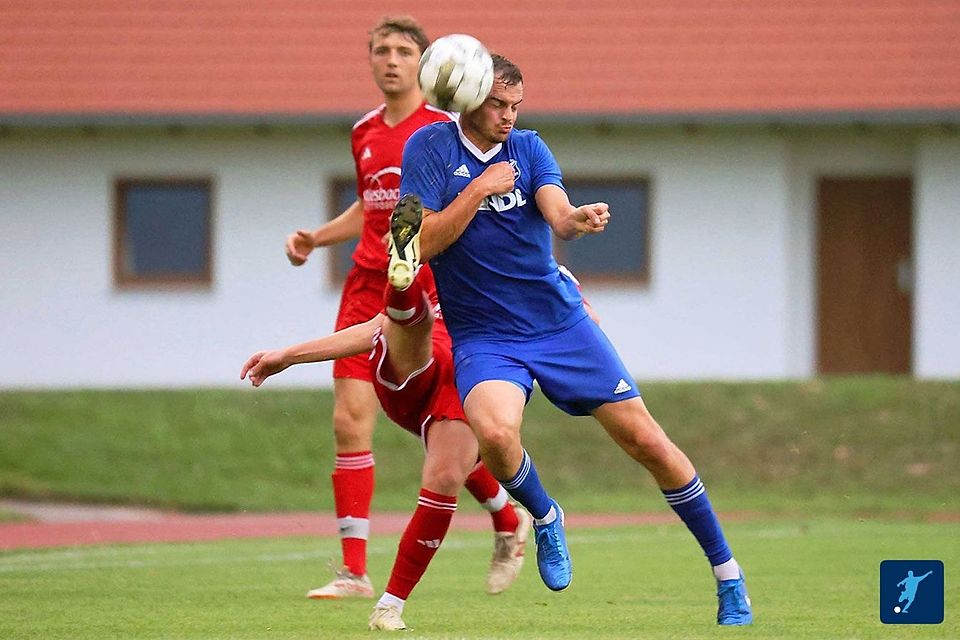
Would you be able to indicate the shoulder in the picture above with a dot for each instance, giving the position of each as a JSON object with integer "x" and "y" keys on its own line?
{"x": 527, "y": 138}
{"x": 368, "y": 118}
{"x": 436, "y": 135}
{"x": 435, "y": 114}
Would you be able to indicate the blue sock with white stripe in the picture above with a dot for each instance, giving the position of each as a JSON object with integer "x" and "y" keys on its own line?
{"x": 526, "y": 489}
{"x": 693, "y": 506}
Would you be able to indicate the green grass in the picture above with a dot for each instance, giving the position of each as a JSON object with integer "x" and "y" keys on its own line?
{"x": 809, "y": 578}
{"x": 826, "y": 446}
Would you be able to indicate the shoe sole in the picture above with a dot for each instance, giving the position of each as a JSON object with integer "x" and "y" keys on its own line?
{"x": 405, "y": 241}
{"x": 343, "y": 597}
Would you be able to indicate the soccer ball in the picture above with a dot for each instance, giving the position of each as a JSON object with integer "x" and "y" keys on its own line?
{"x": 456, "y": 73}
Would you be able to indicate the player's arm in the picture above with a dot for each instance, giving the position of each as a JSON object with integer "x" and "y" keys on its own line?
{"x": 345, "y": 226}
{"x": 567, "y": 221}
{"x": 441, "y": 229}
{"x": 342, "y": 344}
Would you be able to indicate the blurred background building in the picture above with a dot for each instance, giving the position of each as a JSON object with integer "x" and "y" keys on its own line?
{"x": 785, "y": 178}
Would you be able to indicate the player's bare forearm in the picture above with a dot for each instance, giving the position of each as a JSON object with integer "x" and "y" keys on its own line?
{"x": 342, "y": 344}
{"x": 345, "y": 226}
{"x": 567, "y": 221}
{"x": 441, "y": 229}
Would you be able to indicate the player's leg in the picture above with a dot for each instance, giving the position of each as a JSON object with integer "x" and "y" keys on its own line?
{"x": 580, "y": 372}
{"x": 408, "y": 330}
{"x": 451, "y": 453}
{"x": 494, "y": 409}
{"x": 632, "y": 427}
{"x": 354, "y": 416}
{"x": 511, "y": 524}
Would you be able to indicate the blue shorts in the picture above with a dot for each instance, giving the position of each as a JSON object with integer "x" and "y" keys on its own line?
{"x": 577, "y": 368}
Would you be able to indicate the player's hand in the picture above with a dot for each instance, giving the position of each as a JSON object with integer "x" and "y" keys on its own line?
{"x": 299, "y": 245}
{"x": 262, "y": 365}
{"x": 497, "y": 179}
{"x": 591, "y": 218}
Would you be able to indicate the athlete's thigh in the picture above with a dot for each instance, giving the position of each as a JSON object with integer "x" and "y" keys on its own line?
{"x": 578, "y": 369}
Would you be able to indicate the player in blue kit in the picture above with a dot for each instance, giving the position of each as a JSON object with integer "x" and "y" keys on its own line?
{"x": 491, "y": 197}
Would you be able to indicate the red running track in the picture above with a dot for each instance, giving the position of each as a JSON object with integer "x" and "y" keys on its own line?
{"x": 161, "y": 527}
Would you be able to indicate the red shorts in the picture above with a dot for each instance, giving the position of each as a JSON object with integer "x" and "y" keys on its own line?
{"x": 429, "y": 395}
{"x": 362, "y": 299}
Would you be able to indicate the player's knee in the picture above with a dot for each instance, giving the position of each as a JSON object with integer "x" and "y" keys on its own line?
{"x": 351, "y": 429}
{"x": 647, "y": 444}
{"x": 445, "y": 480}
{"x": 497, "y": 434}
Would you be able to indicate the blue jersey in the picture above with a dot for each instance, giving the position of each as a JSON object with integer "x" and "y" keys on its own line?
{"x": 499, "y": 280}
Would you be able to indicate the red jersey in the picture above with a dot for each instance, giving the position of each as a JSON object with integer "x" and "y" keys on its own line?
{"x": 377, "y": 154}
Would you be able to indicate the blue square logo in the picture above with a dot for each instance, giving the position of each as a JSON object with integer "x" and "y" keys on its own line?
{"x": 911, "y": 592}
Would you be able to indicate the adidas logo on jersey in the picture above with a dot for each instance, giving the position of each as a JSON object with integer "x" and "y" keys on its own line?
{"x": 367, "y": 154}
{"x": 622, "y": 387}
{"x": 462, "y": 171}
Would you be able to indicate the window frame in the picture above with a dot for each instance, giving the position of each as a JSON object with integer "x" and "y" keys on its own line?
{"x": 124, "y": 280}
{"x": 640, "y": 278}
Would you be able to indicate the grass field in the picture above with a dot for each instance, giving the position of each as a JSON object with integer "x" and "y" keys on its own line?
{"x": 811, "y": 578}
{"x": 843, "y": 445}
{"x": 844, "y": 472}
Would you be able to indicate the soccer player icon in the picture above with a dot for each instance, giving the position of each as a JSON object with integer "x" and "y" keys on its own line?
{"x": 909, "y": 585}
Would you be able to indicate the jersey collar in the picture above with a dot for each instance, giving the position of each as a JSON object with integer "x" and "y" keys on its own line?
{"x": 473, "y": 149}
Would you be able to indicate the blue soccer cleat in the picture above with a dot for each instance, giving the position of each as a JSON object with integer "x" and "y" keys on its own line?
{"x": 733, "y": 602}
{"x": 553, "y": 558}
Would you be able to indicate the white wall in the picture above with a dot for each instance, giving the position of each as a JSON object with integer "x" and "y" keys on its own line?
{"x": 715, "y": 306}
{"x": 65, "y": 324}
{"x": 937, "y": 265}
{"x": 731, "y": 292}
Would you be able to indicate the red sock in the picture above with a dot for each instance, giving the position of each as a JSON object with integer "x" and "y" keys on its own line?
{"x": 484, "y": 487}
{"x": 352, "y": 493}
{"x": 420, "y": 541}
{"x": 406, "y": 307}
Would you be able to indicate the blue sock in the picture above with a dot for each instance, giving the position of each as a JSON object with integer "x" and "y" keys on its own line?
{"x": 526, "y": 489}
{"x": 693, "y": 506}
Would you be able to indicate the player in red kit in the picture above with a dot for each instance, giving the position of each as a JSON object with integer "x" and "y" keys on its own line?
{"x": 412, "y": 366}
{"x": 377, "y": 143}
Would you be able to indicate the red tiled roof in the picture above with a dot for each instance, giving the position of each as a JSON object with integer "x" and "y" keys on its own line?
{"x": 612, "y": 57}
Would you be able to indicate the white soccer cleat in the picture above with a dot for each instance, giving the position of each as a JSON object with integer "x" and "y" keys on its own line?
{"x": 508, "y": 552}
{"x": 386, "y": 618}
{"x": 404, "y": 241}
{"x": 345, "y": 585}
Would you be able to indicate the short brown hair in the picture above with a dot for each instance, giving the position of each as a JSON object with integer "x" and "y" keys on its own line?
{"x": 505, "y": 71}
{"x": 400, "y": 24}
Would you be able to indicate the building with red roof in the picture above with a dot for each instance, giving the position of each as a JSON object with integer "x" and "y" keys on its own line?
{"x": 784, "y": 176}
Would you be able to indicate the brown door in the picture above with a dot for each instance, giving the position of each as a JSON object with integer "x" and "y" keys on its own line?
{"x": 865, "y": 277}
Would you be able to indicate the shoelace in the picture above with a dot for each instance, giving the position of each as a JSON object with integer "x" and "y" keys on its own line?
{"x": 553, "y": 538}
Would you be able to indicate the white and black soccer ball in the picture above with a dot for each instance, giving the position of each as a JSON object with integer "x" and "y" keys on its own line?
{"x": 456, "y": 73}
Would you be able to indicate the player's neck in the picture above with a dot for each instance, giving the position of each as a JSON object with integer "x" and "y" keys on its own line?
{"x": 478, "y": 141}
{"x": 400, "y": 107}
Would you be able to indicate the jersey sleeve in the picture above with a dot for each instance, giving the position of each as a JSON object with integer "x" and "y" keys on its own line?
{"x": 356, "y": 163}
{"x": 545, "y": 168}
{"x": 422, "y": 171}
